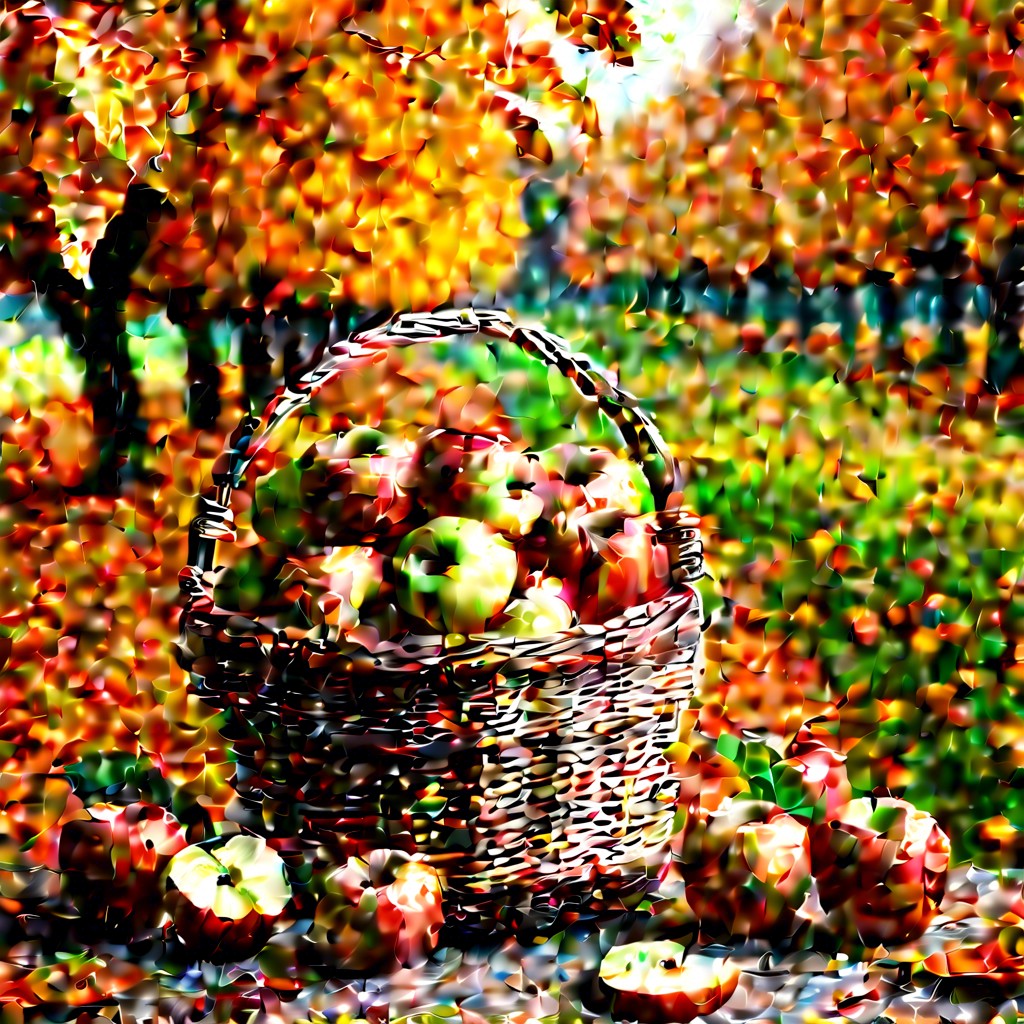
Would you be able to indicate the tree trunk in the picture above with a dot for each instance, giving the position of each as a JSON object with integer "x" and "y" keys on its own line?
{"x": 110, "y": 383}
{"x": 202, "y": 401}
{"x": 1005, "y": 357}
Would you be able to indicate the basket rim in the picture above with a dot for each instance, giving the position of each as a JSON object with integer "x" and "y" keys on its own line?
{"x": 624, "y": 634}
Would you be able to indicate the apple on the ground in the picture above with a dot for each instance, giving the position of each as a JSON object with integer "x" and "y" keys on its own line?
{"x": 658, "y": 983}
{"x": 881, "y": 864}
{"x": 226, "y": 898}
{"x": 747, "y": 870}
{"x": 379, "y": 913}
{"x": 112, "y": 861}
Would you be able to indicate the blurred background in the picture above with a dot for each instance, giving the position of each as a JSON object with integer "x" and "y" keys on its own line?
{"x": 794, "y": 230}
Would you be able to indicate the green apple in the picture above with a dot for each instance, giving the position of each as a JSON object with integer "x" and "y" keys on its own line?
{"x": 481, "y": 478}
{"x": 501, "y": 490}
{"x": 454, "y": 573}
{"x": 539, "y": 612}
{"x": 364, "y": 441}
{"x": 226, "y": 899}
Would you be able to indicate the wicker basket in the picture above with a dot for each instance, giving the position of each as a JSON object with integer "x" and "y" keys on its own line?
{"x": 530, "y": 772}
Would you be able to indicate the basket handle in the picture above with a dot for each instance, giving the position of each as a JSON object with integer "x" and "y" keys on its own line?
{"x": 647, "y": 447}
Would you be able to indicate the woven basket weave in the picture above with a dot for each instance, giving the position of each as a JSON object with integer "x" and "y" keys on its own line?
{"x": 530, "y": 772}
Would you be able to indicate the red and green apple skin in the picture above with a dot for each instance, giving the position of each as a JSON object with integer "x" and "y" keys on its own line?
{"x": 379, "y": 913}
{"x": 113, "y": 860}
{"x": 658, "y": 983}
{"x": 881, "y": 864}
{"x": 747, "y": 871}
{"x": 480, "y": 478}
{"x": 628, "y": 565}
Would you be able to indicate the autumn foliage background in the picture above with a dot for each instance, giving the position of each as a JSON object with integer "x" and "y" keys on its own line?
{"x": 806, "y": 259}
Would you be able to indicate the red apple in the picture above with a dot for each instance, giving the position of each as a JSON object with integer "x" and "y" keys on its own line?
{"x": 881, "y": 864}
{"x": 552, "y": 550}
{"x": 994, "y": 963}
{"x": 226, "y": 898}
{"x": 747, "y": 869}
{"x": 112, "y": 862}
{"x": 339, "y": 585}
{"x": 337, "y": 493}
{"x": 631, "y": 565}
{"x": 658, "y": 983}
{"x": 369, "y": 496}
{"x": 449, "y": 468}
{"x": 379, "y": 913}
{"x": 560, "y": 489}
{"x": 480, "y": 478}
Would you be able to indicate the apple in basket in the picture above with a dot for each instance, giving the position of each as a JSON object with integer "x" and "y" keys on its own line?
{"x": 507, "y": 497}
{"x": 628, "y": 568}
{"x": 372, "y": 498}
{"x": 657, "y": 983}
{"x": 349, "y": 578}
{"x": 456, "y": 574}
{"x": 481, "y": 478}
{"x": 608, "y": 481}
{"x": 225, "y": 897}
{"x": 541, "y": 611}
{"x": 553, "y": 549}
{"x": 112, "y": 861}
{"x": 881, "y": 864}
{"x": 343, "y": 490}
{"x": 365, "y": 479}
{"x": 379, "y": 913}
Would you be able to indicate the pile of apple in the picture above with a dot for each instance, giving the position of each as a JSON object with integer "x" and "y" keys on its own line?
{"x": 440, "y": 531}
{"x": 127, "y": 875}
{"x": 872, "y": 874}
{"x": 871, "y": 877}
